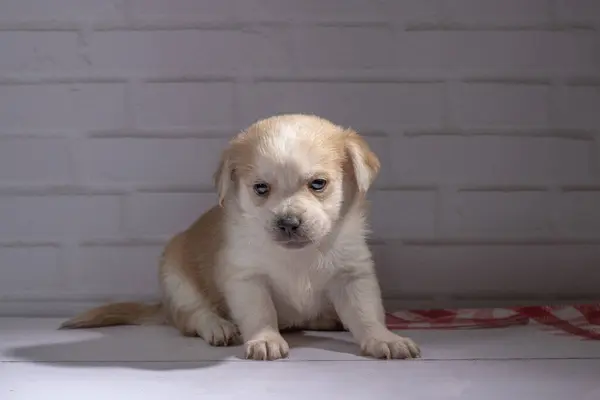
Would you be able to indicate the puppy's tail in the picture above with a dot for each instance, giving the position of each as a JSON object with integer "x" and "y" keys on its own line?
{"x": 118, "y": 314}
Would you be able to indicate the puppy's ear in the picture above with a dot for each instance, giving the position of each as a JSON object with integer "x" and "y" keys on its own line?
{"x": 223, "y": 177}
{"x": 365, "y": 163}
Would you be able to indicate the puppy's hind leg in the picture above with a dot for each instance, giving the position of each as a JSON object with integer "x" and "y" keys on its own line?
{"x": 187, "y": 295}
{"x": 193, "y": 314}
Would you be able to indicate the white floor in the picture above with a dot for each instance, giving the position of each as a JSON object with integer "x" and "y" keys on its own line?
{"x": 39, "y": 362}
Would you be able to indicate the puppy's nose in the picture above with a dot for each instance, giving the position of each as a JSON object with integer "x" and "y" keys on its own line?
{"x": 288, "y": 224}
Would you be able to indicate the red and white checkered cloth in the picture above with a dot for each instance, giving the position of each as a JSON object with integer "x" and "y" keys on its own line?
{"x": 578, "y": 320}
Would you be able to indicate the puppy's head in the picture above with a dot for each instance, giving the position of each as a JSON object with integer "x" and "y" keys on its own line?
{"x": 293, "y": 174}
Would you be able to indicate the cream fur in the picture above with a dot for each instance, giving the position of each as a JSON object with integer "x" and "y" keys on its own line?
{"x": 228, "y": 275}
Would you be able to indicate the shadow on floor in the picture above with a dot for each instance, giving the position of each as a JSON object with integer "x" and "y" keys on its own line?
{"x": 154, "y": 348}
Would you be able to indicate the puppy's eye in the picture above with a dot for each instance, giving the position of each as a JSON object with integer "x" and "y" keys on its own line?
{"x": 318, "y": 185}
{"x": 261, "y": 188}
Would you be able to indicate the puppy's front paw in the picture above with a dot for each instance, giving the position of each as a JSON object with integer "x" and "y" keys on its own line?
{"x": 390, "y": 346}
{"x": 267, "y": 347}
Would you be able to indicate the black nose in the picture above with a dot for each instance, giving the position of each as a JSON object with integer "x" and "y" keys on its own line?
{"x": 288, "y": 224}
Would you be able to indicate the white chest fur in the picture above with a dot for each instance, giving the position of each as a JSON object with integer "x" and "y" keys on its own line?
{"x": 298, "y": 283}
{"x": 298, "y": 279}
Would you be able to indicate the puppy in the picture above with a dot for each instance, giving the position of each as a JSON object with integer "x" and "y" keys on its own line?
{"x": 284, "y": 249}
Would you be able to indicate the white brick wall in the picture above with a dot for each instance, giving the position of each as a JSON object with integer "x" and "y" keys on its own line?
{"x": 485, "y": 113}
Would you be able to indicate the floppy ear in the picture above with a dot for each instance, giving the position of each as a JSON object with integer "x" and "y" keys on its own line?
{"x": 365, "y": 163}
{"x": 223, "y": 177}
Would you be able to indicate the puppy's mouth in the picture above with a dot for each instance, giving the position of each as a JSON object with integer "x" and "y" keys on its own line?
{"x": 294, "y": 244}
{"x": 289, "y": 233}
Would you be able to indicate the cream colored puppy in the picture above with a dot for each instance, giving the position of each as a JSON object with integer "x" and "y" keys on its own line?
{"x": 284, "y": 249}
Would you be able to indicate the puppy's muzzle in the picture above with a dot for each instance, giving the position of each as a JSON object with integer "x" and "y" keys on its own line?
{"x": 288, "y": 225}
{"x": 288, "y": 231}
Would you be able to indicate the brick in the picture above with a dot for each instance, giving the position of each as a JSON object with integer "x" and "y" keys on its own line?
{"x": 34, "y": 161}
{"x": 413, "y": 11}
{"x": 58, "y": 106}
{"x": 184, "y": 9}
{"x": 498, "y": 12}
{"x": 332, "y": 10}
{"x": 398, "y": 104}
{"x": 188, "y": 105}
{"x": 485, "y": 159}
{"x": 402, "y": 214}
{"x": 60, "y": 10}
{"x": 483, "y": 104}
{"x": 267, "y": 49}
{"x": 499, "y": 52}
{"x": 117, "y": 270}
{"x": 578, "y": 11}
{"x": 580, "y": 213}
{"x": 188, "y": 51}
{"x": 578, "y": 107}
{"x": 39, "y": 51}
{"x": 29, "y": 271}
{"x": 39, "y": 217}
{"x": 505, "y": 214}
{"x": 165, "y": 213}
{"x": 310, "y": 9}
{"x": 150, "y": 161}
{"x": 480, "y": 270}
{"x": 185, "y": 51}
{"x": 354, "y": 48}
